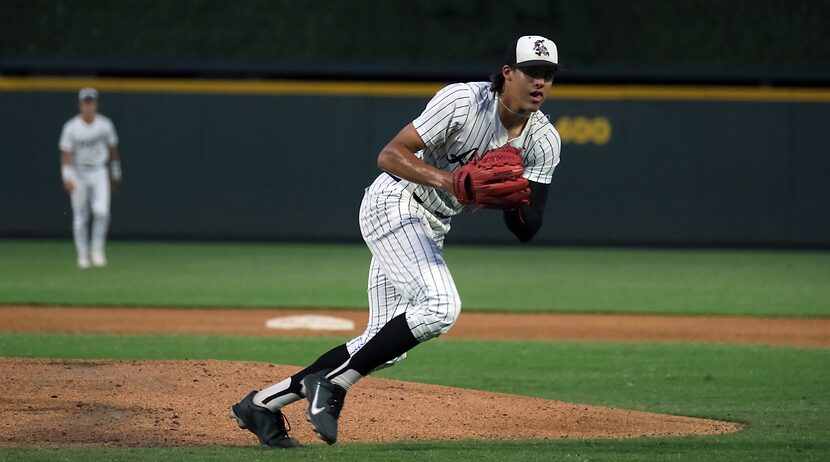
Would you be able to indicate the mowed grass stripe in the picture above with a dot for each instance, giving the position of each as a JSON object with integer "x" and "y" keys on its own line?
{"x": 541, "y": 279}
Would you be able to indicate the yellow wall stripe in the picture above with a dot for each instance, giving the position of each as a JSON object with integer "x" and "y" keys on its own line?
{"x": 257, "y": 87}
{"x": 396, "y": 89}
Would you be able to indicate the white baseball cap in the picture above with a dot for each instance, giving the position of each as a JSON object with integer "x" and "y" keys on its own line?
{"x": 87, "y": 93}
{"x": 532, "y": 50}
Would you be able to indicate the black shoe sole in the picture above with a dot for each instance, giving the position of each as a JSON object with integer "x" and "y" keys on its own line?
{"x": 320, "y": 435}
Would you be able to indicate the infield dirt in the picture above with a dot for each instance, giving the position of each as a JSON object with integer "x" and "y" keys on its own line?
{"x": 186, "y": 403}
{"x": 799, "y": 332}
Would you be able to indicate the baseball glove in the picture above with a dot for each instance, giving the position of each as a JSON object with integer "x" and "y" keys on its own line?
{"x": 493, "y": 180}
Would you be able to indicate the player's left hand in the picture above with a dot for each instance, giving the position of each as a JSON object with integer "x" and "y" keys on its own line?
{"x": 115, "y": 173}
{"x": 493, "y": 180}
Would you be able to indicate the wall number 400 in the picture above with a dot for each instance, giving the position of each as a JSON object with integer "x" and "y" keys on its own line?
{"x": 581, "y": 130}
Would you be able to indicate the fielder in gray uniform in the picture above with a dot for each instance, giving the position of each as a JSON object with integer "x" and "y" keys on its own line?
{"x": 404, "y": 217}
{"x": 89, "y": 145}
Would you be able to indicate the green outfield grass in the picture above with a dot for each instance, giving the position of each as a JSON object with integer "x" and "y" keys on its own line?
{"x": 740, "y": 282}
{"x": 780, "y": 393}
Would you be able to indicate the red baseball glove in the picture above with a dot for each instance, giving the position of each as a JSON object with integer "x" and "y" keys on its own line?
{"x": 493, "y": 180}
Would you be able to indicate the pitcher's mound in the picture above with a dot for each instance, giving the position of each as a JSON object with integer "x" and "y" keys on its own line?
{"x": 186, "y": 403}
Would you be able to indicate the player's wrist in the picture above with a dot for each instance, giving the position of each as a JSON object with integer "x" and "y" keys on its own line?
{"x": 445, "y": 181}
{"x": 67, "y": 173}
{"x": 115, "y": 170}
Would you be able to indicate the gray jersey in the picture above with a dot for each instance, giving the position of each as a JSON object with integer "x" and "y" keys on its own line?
{"x": 461, "y": 120}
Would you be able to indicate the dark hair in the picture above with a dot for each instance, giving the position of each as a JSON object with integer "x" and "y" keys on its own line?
{"x": 497, "y": 82}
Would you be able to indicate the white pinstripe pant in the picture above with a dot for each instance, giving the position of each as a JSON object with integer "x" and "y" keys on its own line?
{"x": 408, "y": 273}
{"x": 91, "y": 194}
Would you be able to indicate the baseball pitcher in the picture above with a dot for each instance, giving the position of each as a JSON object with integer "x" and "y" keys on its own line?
{"x": 476, "y": 145}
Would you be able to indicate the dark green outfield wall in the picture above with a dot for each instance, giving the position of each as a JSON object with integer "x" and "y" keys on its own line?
{"x": 294, "y": 167}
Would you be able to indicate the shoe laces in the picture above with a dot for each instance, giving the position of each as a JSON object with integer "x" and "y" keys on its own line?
{"x": 282, "y": 422}
{"x": 338, "y": 396}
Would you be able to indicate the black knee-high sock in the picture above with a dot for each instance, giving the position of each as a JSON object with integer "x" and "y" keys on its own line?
{"x": 393, "y": 340}
{"x": 326, "y": 362}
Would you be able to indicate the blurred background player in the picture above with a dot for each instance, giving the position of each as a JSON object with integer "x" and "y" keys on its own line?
{"x": 89, "y": 144}
{"x": 404, "y": 217}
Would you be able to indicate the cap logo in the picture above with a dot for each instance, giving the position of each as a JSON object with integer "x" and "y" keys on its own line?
{"x": 540, "y": 49}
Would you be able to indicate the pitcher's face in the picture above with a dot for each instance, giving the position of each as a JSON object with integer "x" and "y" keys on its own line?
{"x": 527, "y": 87}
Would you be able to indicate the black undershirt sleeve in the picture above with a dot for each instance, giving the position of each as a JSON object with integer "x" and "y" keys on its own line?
{"x": 526, "y": 221}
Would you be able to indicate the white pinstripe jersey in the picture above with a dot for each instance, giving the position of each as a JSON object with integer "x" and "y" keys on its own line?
{"x": 88, "y": 142}
{"x": 462, "y": 119}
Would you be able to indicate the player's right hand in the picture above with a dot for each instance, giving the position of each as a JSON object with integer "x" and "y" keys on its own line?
{"x": 68, "y": 186}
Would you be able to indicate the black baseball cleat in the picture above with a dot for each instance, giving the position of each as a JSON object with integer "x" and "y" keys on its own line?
{"x": 325, "y": 400}
{"x": 268, "y": 426}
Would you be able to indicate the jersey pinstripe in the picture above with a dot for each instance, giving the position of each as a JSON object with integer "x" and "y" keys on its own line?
{"x": 462, "y": 120}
